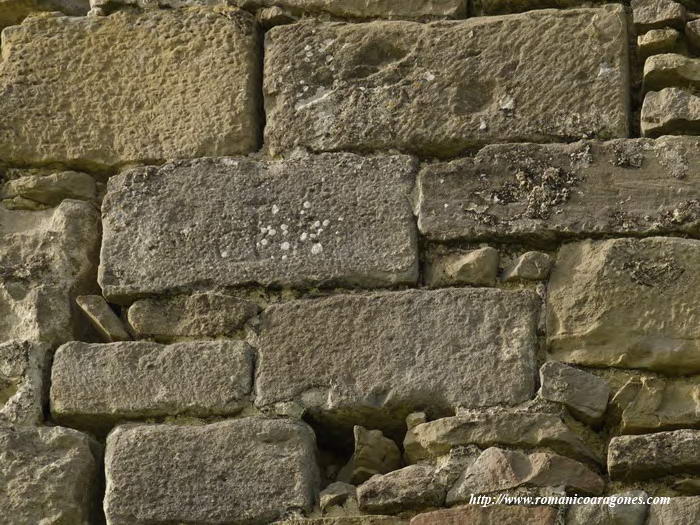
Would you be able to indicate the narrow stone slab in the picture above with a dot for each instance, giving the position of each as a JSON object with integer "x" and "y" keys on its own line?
{"x": 237, "y": 472}
{"x": 671, "y": 111}
{"x": 348, "y": 520}
{"x": 372, "y": 359}
{"x": 487, "y": 515}
{"x": 654, "y": 455}
{"x": 438, "y": 89}
{"x": 103, "y": 318}
{"x": 362, "y": 9}
{"x": 627, "y": 303}
{"x": 24, "y": 371}
{"x": 657, "y": 41}
{"x": 190, "y": 316}
{"x": 307, "y": 221}
{"x": 47, "y": 258}
{"x": 671, "y": 70}
{"x": 94, "y": 386}
{"x": 657, "y": 14}
{"x": 502, "y": 7}
{"x": 47, "y": 475}
{"x": 540, "y": 193}
{"x": 178, "y": 95}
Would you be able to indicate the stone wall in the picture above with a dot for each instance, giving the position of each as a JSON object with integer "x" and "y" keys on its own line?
{"x": 349, "y": 262}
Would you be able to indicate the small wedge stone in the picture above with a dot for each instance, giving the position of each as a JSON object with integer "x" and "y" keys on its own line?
{"x": 374, "y": 454}
{"x": 476, "y": 267}
{"x": 584, "y": 394}
{"x": 657, "y": 41}
{"x": 103, "y": 318}
{"x": 530, "y": 266}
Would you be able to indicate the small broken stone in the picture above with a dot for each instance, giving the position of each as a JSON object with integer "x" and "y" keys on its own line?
{"x": 692, "y": 33}
{"x": 411, "y": 488}
{"x": 605, "y": 514}
{"x": 336, "y": 494}
{"x": 671, "y": 111}
{"x": 530, "y": 266}
{"x": 477, "y": 268}
{"x": 584, "y": 394}
{"x": 270, "y": 17}
{"x": 657, "y": 14}
{"x": 415, "y": 418}
{"x": 671, "y": 70}
{"x": 103, "y": 318}
{"x": 657, "y": 41}
{"x": 374, "y": 454}
{"x": 24, "y": 368}
{"x": 51, "y": 189}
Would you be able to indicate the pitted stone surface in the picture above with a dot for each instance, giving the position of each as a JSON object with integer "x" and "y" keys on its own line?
{"x": 544, "y": 192}
{"x": 238, "y": 472}
{"x": 48, "y": 476}
{"x": 375, "y": 358}
{"x": 96, "y": 385}
{"x": 24, "y": 371}
{"x": 653, "y": 455}
{"x": 370, "y": 9}
{"x": 129, "y": 87}
{"x": 13, "y": 11}
{"x": 47, "y": 258}
{"x": 502, "y": 7}
{"x": 678, "y": 511}
{"x": 627, "y": 303}
{"x": 438, "y": 89}
{"x": 307, "y": 221}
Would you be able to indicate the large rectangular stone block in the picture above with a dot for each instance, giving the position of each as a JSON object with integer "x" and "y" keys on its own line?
{"x": 47, "y": 258}
{"x": 438, "y": 89}
{"x": 105, "y": 91}
{"x": 542, "y": 193}
{"x": 317, "y": 220}
{"x": 48, "y": 476}
{"x": 240, "y": 472}
{"x": 373, "y": 9}
{"x": 631, "y": 303}
{"x": 94, "y": 386}
{"x": 371, "y": 359}
{"x": 24, "y": 373}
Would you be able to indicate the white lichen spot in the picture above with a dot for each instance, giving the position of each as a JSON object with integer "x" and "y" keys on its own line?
{"x": 482, "y": 125}
{"x": 275, "y": 209}
{"x": 303, "y": 236}
{"x": 429, "y": 76}
{"x": 285, "y": 246}
{"x": 263, "y": 242}
{"x": 317, "y": 224}
{"x": 307, "y": 204}
{"x": 284, "y": 227}
{"x": 507, "y": 103}
{"x": 271, "y": 231}
{"x": 446, "y": 205}
{"x": 326, "y": 222}
{"x": 284, "y": 257}
{"x": 224, "y": 253}
{"x": 605, "y": 69}
{"x": 316, "y": 248}
{"x": 442, "y": 181}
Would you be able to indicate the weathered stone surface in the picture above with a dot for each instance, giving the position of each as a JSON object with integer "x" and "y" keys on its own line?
{"x": 243, "y": 471}
{"x": 270, "y": 17}
{"x": 493, "y": 427}
{"x": 363, "y": 9}
{"x": 653, "y": 455}
{"x": 671, "y": 111}
{"x": 374, "y": 454}
{"x": 632, "y": 511}
{"x": 190, "y": 316}
{"x": 689, "y": 486}
{"x": 48, "y": 476}
{"x": 163, "y": 90}
{"x": 347, "y": 520}
{"x": 657, "y": 14}
{"x": 14, "y": 11}
{"x": 502, "y": 7}
{"x": 692, "y": 32}
{"x": 657, "y": 41}
{"x": 24, "y": 368}
{"x": 679, "y": 511}
{"x": 584, "y": 394}
{"x": 336, "y": 494}
{"x": 652, "y": 404}
{"x": 411, "y": 488}
{"x": 47, "y": 258}
{"x": 438, "y": 89}
{"x": 96, "y": 385}
{"x": 541, "y": 192}
{"x": 325, "y": 219}
{"x": 490, "y": 515}
{"x": 627, "y": 303}
{"x": 103, "y": 318}
{"x": 475, "y": 267}
{"x": 47, "y": 190}
{"x": 376, "y": 358}
{"x": 530, "y": 266}
{"x": 497, "y": 469}
{"x": 671, "y": 70}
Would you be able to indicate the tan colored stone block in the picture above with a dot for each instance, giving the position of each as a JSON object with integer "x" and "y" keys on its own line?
{"x": 24, "y": 374}
{"x": 489, "y": 515}
{"x": 671, "y": 111}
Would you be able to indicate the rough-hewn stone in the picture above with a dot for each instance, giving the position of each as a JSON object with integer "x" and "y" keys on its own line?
{"x": 363, "y": 9}
{"x": 604, "y": 514}
{"x": 627, "y": 303}
{"x": 476, "y": 267}
{"x": 679, "y": 511}
{"x": 692, "y": 32}
{"x": 530, "y": 266}
{"x": 103, "y": 318}
{"x": 355, "y": 357}
{"x": 489, "y": 428}
{"x": 42, "y": 191}
{"x": 653, "y": 455}
{"x": 584, "y": 394}
{"x": 488, "y": 515}
{"x": 47, "y": 258}
{"x": 24, "y": 368}
{"x": 411, "y": 488}
{"x": 347, "y": 520}
{"x": 652, "y": 404}
{"x": 671, "y": 70}
{"x": 96, "y": 385}
{"x": 671, "y": 111}
{"x": 244, "y": 471}
{"x": 657, "y": 41}
{"x": 539, "y": 192}
{"x": 48, "y": 476}
{"x": 497, "y": 469}
{"x": 14, "y": 11}
{"x": 326, "y": 219}
{"x": 190, "y": 316}
{"x": 337, "y": 494}
{"x": 438, "y": 89}
{"x": 657, "y": 14}
{"x": 139, "y": 87}
{"x": 374, "y": 454}
{"x": 502, "y": 7}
